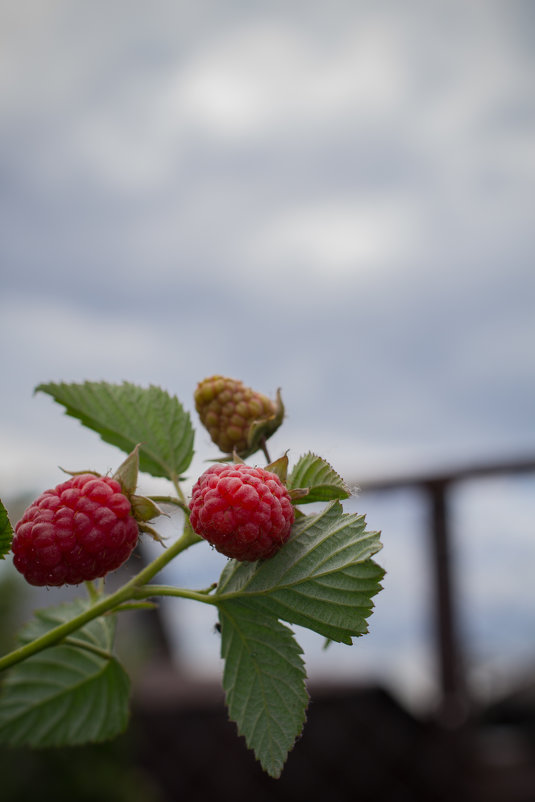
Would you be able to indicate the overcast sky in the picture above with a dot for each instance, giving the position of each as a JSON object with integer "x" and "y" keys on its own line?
{"x": 334, "y": 198}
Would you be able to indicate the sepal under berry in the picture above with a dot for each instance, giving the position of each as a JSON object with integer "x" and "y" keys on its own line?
{"x": 149, "y": 530}
{"x": 128, "y": 471}
{"x": 280, "y": 468}
{"x": 144, "y": 508}
{"x": 262, "y": 429}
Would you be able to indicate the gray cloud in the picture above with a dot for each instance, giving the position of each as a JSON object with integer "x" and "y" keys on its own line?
{"x": 336, "y": 200}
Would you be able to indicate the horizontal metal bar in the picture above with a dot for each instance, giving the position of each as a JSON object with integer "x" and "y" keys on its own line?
{"x": 447, "y": 476}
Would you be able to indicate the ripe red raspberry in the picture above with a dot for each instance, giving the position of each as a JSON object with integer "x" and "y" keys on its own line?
{"x": 246, "y": 513}
{"x": 80, "y": 530}
{"x": 228, "y": 409}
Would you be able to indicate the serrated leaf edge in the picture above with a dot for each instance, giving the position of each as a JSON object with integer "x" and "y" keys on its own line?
{"x": 316, "y": 483}
{"x": 127, "y": 443}
{"x": 6, "y": 532}
{"x": 274, "y": 766}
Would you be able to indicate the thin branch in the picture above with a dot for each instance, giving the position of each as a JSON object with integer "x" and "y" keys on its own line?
{"x": 82, "y": 644}
{"x": 263, "y": 446}
{"x": 148, "y": 591}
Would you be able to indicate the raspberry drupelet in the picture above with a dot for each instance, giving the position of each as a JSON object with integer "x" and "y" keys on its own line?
{"x": 78, "y": 531}
{"x": 245, "y": 513}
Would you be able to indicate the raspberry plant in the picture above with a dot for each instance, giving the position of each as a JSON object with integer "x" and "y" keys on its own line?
{"x": 65, "y": 686}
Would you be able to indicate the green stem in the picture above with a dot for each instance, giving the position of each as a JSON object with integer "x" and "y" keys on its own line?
{"x": 82, "y": 644}
{"x": 92, "y": 591}
{"x": 128, "y": 606}
{"x": 170, "y": 500}
{"x": 210, "y": 588}
{"x": 169, "y": 590}
{"x": 104, "y": 604}
{"x": 179, "y": 492}
{"x": 263, "y": 446}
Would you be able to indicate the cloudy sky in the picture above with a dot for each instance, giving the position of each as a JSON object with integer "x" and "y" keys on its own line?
{"x": 334, "y": 198}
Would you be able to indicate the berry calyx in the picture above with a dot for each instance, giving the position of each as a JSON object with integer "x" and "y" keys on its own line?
{"x": 78, "y": 531}
{"x": 236, "y": 417}
{"x": 245, "y": 513}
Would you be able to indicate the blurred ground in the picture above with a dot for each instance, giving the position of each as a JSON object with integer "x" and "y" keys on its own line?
{"x": 358, "y": 743}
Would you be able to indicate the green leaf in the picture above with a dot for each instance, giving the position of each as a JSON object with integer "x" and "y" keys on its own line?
{"x": 6, "y": 532}
{"x": 324, "y": 483}
{"x": 322, "y": 578}
{"x": 336, "y": 606}
{"x": 99, "y": 632}
{"x": 125, "y": 415}
{"x": 65, "y": 695}
{"x": 264, "y": 682}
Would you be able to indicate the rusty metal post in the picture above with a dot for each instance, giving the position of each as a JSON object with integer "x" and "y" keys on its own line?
{"x": 453, "y": 707}
{"x": 455, "y": 698}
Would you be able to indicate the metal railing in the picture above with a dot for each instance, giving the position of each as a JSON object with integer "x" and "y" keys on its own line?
{"x": 454, "y": 702}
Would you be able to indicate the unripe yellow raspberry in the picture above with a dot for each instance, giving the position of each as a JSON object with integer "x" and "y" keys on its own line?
{"x": 236, "y": 416}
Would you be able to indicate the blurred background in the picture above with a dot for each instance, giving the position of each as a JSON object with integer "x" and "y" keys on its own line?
{"x": 332, "y": 198}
